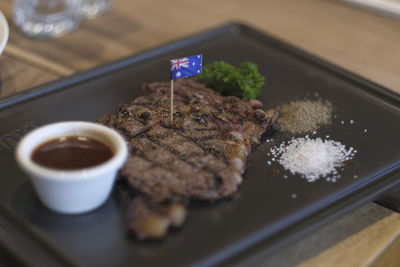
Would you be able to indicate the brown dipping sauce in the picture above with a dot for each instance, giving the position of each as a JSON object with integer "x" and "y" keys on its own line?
{"x": 71, "y": 152}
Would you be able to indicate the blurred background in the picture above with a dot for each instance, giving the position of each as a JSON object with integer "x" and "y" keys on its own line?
{"x": 363, "y": 40}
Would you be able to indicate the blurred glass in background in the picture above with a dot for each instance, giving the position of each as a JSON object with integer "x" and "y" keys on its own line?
{"x": 385, "y": 7}
{"x": 52, "y": 18}
{"x": 91, "y": 8}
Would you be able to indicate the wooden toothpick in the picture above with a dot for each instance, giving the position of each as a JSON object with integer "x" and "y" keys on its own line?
{"x": 172, "y": 103}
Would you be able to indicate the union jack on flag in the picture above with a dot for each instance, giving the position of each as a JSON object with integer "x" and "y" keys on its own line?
{"x": 186, "y": 66}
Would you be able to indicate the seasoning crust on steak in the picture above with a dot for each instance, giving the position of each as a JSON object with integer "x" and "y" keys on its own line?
{"x": 202, "y": 155}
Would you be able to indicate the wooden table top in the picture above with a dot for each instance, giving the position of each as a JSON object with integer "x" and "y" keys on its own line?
{"x": 360, "y": 41}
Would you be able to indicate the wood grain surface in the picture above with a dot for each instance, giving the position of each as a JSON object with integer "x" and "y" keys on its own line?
{"x": 17, "y": 74}
{"x": 360, "y": 41}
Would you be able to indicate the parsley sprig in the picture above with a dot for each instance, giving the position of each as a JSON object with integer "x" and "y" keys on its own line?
{"x": 244, "y": 81}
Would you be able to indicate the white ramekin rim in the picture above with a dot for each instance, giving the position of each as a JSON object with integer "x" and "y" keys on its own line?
{"x": 4, "y": 32}
{"x": 24, "y": 157}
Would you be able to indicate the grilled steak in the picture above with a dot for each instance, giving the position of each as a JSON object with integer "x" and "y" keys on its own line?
{"x": 202, "y": 155}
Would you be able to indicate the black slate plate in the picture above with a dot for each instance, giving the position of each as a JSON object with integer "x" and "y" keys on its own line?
{"x": 261, "y": 217}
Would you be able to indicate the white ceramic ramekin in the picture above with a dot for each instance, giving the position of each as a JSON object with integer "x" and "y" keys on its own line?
{"x": 72, "y": 191}
{"x": 4, "y": 31}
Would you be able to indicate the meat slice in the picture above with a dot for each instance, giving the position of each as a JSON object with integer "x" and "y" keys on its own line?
{"x": 202, "y": 155}
{"x": 150, "y": 220}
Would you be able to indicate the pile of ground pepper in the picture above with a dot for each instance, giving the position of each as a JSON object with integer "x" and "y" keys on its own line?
{"x": 304, "y": 116}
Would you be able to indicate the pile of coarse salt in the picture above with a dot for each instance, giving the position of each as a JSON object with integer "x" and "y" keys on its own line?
{"x": 312, "y": 158}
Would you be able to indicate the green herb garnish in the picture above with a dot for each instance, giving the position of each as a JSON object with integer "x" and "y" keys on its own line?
{"x": 244, "y": 82}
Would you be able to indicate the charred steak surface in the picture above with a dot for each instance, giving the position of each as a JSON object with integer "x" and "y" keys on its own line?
{"x": 202, "y": 155}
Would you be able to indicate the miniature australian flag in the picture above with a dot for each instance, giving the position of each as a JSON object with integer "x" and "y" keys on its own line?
{"x": 186, "y": 66}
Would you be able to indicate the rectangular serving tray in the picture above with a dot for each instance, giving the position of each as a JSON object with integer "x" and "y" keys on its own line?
{"x": 262, "y": 217}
